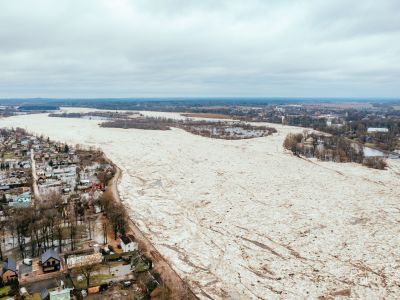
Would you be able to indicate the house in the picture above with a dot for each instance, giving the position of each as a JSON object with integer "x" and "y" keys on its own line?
{"x": 4, "y": 187}
{"x": 50, "y": 261}
{"x": 74, "y": 261}
{"x": 25, "y": 164}
{"x": 377, "y": 130}
{"x": 44, "y": 294}
{"x": 22, "y": 200}
{"x": 60, "y": 294}
{"x": 84, "y": 182}
{"x": 9, "y": 270}
{"x": 128, "y": 243}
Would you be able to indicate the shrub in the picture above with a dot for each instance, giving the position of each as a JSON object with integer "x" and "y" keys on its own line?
{"x": 375, "y": 163}
{"x": 291, "y": 141}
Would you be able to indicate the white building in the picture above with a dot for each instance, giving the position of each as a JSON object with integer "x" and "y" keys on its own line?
{"x": 128, "y": 244}
{"x": 380, "y": 130}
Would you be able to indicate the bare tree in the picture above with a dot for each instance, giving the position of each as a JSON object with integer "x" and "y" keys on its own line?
{"x": 87, "y": 272}
{"x": 104, "y": 226}
{"x": 291, "y": 142}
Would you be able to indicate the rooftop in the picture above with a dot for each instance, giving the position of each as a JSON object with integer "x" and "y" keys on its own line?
{"x": 10, "y": 264}
{"x": 50, "y": 253}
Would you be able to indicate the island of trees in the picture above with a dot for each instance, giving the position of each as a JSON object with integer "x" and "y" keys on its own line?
{"x": 327, "y": 147}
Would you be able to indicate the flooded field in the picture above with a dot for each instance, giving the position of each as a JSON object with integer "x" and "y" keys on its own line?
{"x": 246, "y": 220}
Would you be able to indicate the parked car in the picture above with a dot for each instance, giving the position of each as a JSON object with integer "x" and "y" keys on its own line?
{"x": 103, "y": 287}
{"x": 27, "y": 261}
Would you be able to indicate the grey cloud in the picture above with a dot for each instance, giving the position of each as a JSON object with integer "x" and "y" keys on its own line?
{"x": 121, "y": 48}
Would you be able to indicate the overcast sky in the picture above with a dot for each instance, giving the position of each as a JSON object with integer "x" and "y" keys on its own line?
{"x": 136, "y": 48}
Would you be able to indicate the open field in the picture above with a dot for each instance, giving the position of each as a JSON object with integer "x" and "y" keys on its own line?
{"x": 245, "y": 219}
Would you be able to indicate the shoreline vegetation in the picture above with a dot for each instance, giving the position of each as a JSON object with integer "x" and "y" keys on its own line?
{"x": 326, "y": 147}
{"x": 98, "y": 114}
{"x": 323, "y": 146}
{"x": 212, "y": 129}
{"x": 216, "y": 130}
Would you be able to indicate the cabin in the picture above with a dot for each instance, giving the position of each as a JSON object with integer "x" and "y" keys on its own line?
{"x": 128, "y": 243}
{"x": 50, "y": 261}
{"x": 9, "y": 270}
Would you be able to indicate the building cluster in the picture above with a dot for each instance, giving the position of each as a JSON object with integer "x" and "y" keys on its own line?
{"x": 15, "y": 168}
{"x": 55, "y": 275}
{"x": 58, "y": 170}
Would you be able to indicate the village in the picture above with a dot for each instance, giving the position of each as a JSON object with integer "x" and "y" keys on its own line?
{"x": 62, "y": 235}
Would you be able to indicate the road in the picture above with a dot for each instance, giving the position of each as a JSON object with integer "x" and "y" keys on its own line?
{"x": 34, "y": 176}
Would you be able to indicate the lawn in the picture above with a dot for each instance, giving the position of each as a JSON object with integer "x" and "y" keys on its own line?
{"x": 79, "y": 234}
{"x": 9, "y": 155}
{"x": 4, "y": 292}
{"x": 95, "y": 280}
{"x": 35, "y": 296}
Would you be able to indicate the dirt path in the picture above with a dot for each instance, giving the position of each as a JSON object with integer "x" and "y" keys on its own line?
{"x": 179, "y": 288}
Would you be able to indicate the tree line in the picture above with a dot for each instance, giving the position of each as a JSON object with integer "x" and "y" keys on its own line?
{"x": 58, "y": 223}
{"x": 330, "y": 148}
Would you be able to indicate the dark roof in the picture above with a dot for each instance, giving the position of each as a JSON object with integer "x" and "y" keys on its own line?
{"x": 44, "y": 293}
{"x": 50, "y": 253}
{"x": 10, "y": 264}
{"x": 126, "y": 239}
{"x": 24, "y": 269}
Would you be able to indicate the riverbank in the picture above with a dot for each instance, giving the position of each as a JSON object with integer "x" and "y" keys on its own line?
{"x": 178, "y": 287}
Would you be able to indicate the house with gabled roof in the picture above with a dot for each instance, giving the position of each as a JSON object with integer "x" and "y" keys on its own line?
{"x": 9, "y": 270}
{"x": 128, "y": 243}
{"x": 50, "y": 261}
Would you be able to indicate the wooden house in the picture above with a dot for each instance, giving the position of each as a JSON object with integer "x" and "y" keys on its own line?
{"x": 9, "y": 270}
{"x": 50, "y": 261}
